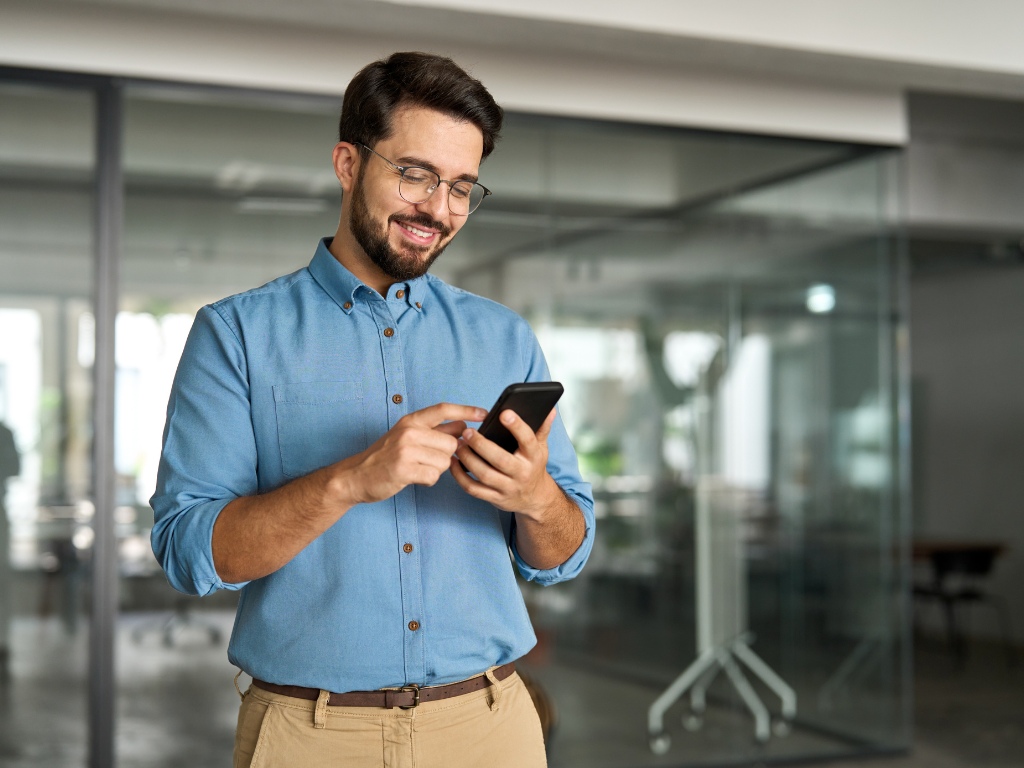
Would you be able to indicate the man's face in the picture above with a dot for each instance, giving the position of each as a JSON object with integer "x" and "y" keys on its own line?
{"x": 400, "y": 238}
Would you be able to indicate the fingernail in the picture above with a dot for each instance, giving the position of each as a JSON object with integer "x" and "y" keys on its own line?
{"x": 468, "y": 434}
{"x": 508, "y": 417}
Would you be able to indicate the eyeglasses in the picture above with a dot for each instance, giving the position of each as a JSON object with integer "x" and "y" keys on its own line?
{"x": 416, "y": 185}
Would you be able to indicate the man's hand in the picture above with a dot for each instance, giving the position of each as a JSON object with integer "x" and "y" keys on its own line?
{"x": 416, "y": 451}
{"x": 515, "y": 482}
{"x": 549, "y": 526}
{"x": 256, "y": 535}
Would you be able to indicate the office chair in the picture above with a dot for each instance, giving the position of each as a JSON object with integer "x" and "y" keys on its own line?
{"x": 958, "y": 573}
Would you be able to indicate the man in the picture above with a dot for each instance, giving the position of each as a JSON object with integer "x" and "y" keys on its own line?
{"x": 10, "y": 466}
{"x": 316, "y": 455}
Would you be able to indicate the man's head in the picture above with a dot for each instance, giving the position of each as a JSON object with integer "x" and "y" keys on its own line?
{"x": 411, "y": 109}
{"x": 415, "y": 79}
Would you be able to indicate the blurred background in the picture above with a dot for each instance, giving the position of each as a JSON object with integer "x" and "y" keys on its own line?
{"x": 775, "y": 254}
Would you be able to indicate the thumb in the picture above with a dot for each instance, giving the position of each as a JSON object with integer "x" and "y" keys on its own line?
{"x": 545, "y": 428}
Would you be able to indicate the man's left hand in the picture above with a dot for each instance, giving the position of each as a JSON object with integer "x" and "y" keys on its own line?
{"x": 515, "y": 482}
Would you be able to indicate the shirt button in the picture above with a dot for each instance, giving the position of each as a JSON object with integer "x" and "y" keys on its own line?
{"x": 400, "y": 294}
{"x": 397, "y": 399}
{"x": 389, "y": 332}
{"x": 407, "y": 548}
{"x": 418, "y": 305}
{"x": 347, "y": 305}
{"x": 414, "y": 625}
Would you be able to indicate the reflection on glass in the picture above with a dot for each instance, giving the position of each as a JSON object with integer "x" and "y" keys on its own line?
{"x": 46, "y": 139}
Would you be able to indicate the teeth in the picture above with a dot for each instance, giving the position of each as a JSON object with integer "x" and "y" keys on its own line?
{"x": 415, "y": 231}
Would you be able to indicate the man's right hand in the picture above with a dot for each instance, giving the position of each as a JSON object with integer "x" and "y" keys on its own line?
{"x": 416, "y": 451}
{"x": 256, "y": 535}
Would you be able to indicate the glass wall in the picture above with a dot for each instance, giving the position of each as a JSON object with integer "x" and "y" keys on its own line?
{"x": 223, "y": 192}
{"x": 730, "y": 367}
{"x": 46, "y": 349}
{"x": 722, "y": 311}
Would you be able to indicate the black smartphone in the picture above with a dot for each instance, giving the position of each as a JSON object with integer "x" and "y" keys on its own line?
{"x": 532, "y": 401}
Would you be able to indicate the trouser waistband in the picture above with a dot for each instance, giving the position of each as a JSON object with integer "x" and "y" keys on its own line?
{"x": 406, "y": 697}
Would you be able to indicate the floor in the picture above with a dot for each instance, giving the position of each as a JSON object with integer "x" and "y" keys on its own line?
{"x": 177, "y": 705}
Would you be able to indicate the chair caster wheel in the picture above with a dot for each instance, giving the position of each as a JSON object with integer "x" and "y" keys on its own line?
{"x": 660, "y": 744}
{"x": 781, "y": 728}
{"x": 693, "y": 723}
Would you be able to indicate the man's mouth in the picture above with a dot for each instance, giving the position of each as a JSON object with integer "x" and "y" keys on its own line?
{"x": 421, "y": 232}
{"x": 416, "y": 230}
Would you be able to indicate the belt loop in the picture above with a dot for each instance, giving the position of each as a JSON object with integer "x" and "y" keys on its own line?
{"x": 320, "y": 713}
{"x": 495, "y": 687}
{"x": 240, "y": 694}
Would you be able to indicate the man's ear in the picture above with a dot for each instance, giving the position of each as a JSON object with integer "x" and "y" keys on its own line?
{"x": 346, "y": 164}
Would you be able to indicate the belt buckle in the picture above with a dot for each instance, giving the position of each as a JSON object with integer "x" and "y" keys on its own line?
{"x": 415, "y": 689}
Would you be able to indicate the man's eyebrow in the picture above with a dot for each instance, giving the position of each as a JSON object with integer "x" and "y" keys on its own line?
{"x": 419, "y": 161}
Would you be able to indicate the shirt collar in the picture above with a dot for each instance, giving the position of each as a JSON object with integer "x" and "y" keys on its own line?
{"x": 345, "y": 288}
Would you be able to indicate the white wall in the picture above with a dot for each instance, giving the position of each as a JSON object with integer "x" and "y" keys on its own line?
{"x": 968, "y": 356}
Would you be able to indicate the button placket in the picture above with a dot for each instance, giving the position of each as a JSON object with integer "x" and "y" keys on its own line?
{"x": 406, "y": 525}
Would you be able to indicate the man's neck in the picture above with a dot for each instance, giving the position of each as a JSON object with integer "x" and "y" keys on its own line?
{"x": 351, "y": 256}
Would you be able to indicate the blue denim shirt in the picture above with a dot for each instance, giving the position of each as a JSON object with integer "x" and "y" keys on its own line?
{"x": 290, "y": 377}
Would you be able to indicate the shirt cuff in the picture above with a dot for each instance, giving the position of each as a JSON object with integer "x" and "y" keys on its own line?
{"x": 571, "y": 567}
{"x": 188, "y": 558}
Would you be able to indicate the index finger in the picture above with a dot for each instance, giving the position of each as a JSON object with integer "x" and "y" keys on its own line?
{"x": 435, "y": 415}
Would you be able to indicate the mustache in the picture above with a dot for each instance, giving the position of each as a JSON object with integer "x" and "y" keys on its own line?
{"x": 424, "y": 221}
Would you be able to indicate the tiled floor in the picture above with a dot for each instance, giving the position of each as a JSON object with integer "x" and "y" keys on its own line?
{"x": 177, "y": 707}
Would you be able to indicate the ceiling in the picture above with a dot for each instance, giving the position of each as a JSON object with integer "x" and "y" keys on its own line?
{"x": 677, "y": 42}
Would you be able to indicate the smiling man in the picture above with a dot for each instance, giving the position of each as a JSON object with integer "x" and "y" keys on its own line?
{"x": 314, "y": 453}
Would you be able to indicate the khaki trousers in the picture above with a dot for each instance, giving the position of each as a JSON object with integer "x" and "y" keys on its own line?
{"x": 497, "y": 727}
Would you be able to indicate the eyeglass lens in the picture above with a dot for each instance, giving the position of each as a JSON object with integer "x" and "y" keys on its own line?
{"x": 418, "y": 184}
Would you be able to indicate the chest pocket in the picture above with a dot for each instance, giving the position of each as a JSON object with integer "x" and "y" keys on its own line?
{"x": 318, "y": 423}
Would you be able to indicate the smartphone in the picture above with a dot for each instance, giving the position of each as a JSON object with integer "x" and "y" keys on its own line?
{"x": 532, "y": 401}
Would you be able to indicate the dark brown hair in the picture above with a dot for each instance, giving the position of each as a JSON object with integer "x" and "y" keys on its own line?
{"x": 420, "y": 79}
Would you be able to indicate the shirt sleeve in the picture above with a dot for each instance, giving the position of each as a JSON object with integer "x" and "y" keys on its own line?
{"x": 564, "y": 469}
{"x": 209, "y": 454}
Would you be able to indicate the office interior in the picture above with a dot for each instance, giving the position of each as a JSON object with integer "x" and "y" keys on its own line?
{"x": 792, "y": 369}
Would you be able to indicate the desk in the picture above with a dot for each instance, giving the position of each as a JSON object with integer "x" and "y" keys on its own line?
{"x": 923, "y": 550}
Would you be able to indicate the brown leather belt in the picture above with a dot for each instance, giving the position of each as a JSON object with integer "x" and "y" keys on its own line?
{"x": 406, "y": 697}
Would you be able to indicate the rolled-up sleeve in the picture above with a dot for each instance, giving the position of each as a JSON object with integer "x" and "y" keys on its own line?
{"x": 564, "y": 469}
{"x": 209, "y": 453}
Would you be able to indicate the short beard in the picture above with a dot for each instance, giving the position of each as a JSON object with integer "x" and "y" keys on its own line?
{"x": 374, "y": 240}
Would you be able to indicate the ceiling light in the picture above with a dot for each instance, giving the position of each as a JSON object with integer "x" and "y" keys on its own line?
{"x": 821, "y": 298}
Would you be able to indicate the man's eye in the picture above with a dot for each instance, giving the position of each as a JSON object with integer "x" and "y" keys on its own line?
{"x": 462, "y": 189}
{"x": 418, "y": 176}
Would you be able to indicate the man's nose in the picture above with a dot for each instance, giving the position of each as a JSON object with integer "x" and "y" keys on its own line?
{"x": 436, "y": 206}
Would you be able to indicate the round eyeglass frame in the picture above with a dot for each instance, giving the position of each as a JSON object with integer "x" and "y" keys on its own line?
{"x": 403, "y": 169}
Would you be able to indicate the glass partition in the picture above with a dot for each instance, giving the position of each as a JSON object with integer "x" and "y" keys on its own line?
{"x": 728, "y": 353}
{"x": 46, "y": 346}
{"x": 223, "y": 192}
{"x": 721, "y": 309}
